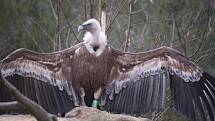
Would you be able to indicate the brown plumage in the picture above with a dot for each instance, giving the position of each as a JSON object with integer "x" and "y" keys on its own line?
{"x": 127, "y": 83}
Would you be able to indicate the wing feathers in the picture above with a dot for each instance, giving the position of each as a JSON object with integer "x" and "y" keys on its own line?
{"x": 138, "y": 85}
{"x": 148, "y": 75}
{"x": 44, "y": 78}
{"x": 134, "y": 99}
{"x": 200, "y": 87}
{"x": 46, "y": 67}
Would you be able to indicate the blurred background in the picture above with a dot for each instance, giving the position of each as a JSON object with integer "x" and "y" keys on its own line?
{"x": 131, "y": 25}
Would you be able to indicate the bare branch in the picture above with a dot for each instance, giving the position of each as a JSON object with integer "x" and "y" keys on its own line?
{"x": 33, "y": 38}
{"x": 67, "y": 37}
{"x": 53, "y": 10}
{"x": 103, "y": 14}
{"x": 207, "y": 53}
{"x": 57, "y": 43}
{"x": 202, "y": 39}
{"x": 173, "y": 32}
{"x": 196, "y": 18}
{"x": 211, "y": 23}
{"x": 43, "y": 30}
{"x": 111, "y": 10}
{"x": 117, "y": 13}
{"x": 13, "y": 106}
{"x": 88, "y": 12}
{"x": 67, "y": 21}
{"x": 156, "y": 118}
{"x": 137, "y": 11}
{"x": 36, "y": 110}
{"x": 204, "y": 57}
{"x": 128, "y": 39}
{"x": 183, "y": 43}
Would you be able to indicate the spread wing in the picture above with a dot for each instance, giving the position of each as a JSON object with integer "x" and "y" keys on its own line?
{"x": 44, "y": 78}
{"x": 138, "y": 84}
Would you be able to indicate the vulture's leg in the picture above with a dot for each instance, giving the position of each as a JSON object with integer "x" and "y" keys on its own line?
{"x": 76, "y": 102}
{"x": 97, "y": 95}
{"x": 75, "y": 98}
{"x": 82, "y": 97}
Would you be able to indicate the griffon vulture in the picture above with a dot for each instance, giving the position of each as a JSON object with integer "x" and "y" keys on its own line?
{"x": 94, "y": 73}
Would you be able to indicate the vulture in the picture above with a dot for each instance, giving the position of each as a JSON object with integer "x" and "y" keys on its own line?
{"x": 93, "y": 73}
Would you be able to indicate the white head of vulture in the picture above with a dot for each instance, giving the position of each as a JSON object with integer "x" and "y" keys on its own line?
{"x": 95, "y": 40}
{"x": 119, "y": 82}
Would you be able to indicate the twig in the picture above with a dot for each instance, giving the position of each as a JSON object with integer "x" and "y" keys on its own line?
{"x": 128, "y": 39}
{"x": 57, "y": 41}
{"x": 207, "y": 53}
{"x": 33, "y": 38}
{"x": 189, "y": 41}
{"x": 85, "y": 10}
{"x": 67, "y": 38}
{"x": 151, "y": 22}
{"x": 183, "y": 44}
{"x": 137, "y": 11}
{"x": 54, "y": 13}
{"x": 203, "y": 56}
{"x": 108, "y": 28}
{"x": 13, "y": 106}
{"x": 202, "y": 39}
{"x": 103, "y": 14}
{"x": 111, "y": 10}
{"x": 155, "y": 118}
{"x": 213, "y": 23}
{"x": 173, "y": 32}
{"x": 36, "y": 110}
{"x": 41, "y": 28}
{"x": 73, "y": 32}
{"x": 88, "y": 13}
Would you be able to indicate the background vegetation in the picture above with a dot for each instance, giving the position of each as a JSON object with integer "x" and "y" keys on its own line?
{"x": 132, "y": 25}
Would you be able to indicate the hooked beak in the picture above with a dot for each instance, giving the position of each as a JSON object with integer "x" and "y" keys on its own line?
{"x": 80, "y": 28}
{"x": 85, "y": 27}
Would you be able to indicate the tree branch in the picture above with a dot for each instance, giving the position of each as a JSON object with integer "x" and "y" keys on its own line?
{"x": 73, "y": 32}
{"x": 13, "y": 106}
{"x": 43, "y": 30}
{"x": 88, "y": 9}
{"x": 57, "y": 43}
{"x": 207, "y": 53}
{"x": 33, "y": 38}
{"x": 128, "y": 39}
{"x": 103, "y": 14}
{"x": 36, "y": 110}
{"x": 54, "y": 13}
{"x": 108, "y": 28}
{"x": 202, "y": 39}
{"x": 183, "y": 44}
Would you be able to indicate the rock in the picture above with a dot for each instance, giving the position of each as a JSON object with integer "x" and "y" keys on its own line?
{"x": 92, "y": 114}
{"x": 17, "y": 118}
{"x": 79, "y": 114}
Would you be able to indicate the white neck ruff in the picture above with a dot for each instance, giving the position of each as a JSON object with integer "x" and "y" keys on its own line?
{"x": 96, "y": 39}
